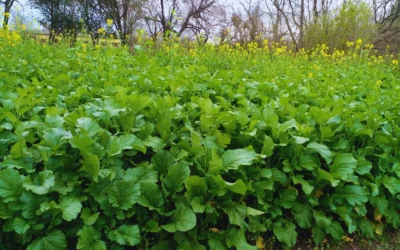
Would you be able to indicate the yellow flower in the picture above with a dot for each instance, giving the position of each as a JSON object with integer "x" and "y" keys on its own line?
{"x": 395, "y": 62}
{"x": 7, "y": 14}
{"x": 369, "y": 46}
{"x": 109, "y": 22}
{"x": 23, "y": 27}
{"x": 101, "y": 31}
{"x": 310, "y": 75}
{"x": 347, "y": 239}
{"x": 84, "y": 46}
{"x": 349, "y": 44}
{"x": 359, "y": 42}
{"x": 379, "y": 82}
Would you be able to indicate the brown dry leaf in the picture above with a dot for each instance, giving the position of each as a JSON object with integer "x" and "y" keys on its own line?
{"x": 379, "y": 229}
{"x": 318, "y": 193}
{"x": 214, "y": 230}
{"x": 377, "y": 215}
{"x": 347, "y": 239}
{"x": 260, "y": 242}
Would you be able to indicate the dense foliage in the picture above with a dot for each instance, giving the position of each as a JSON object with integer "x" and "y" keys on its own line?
{"x": 207, "y": 148}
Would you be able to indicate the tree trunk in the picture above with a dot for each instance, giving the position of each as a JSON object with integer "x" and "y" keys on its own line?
{"x": 7, "y": 9}
{"x": 315, "y": 10}
{"x": 301, "y": 28}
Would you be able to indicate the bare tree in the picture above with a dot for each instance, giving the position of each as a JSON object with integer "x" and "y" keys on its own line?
{"x": 125, "y": 15}
{"x": 246, "y": 23}
{"x": 387, "y": 16}
{"x": 179, "y": 16}
{"x": 280, "y": 6}
{"x": 93, "y": 17}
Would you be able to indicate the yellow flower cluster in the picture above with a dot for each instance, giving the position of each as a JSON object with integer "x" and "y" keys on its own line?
{"x": 358, "y": 44}
{"x": 101, "y": 31}
{"x": 9, "y": 37}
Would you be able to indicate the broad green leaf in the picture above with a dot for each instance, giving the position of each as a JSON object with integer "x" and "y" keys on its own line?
{"x": 379, "y": 202}
{"x": 125, "y": 235}
{"x": 155, "y": 143}
{"x": 343, "y": 166}
{"x": 303, "y": 215}
{"x": 54, "y": 241}
{"x": 286, "y": 233}
{"x": 198, "y": 204}
{"x": 123, "y": 142}
{"x": 215, "y": 167}
{"x": 324, "y": 175}
{"x": 162, "y": 161}
{"x": 322, "y": 150}
{"x": 20, "y": 226}
{"x": 6, "y": 212}
{"x": 367, "y": 228}
{"x": 88, "y": 217}
{"x": 91, "y": 165}
{"x": 18, "y": 150}
{"x": 10, "y": 185}
{"x": 268, "y": 146}
{"x": 71, "y": 207}
{"x": 279, "y": 176}
{"x": 300, "y": 140}
{"x": 152, "y": 226}
{"x": 42, "y": 182}
{"x": 238, "y": 186}
{"x": 222, "y": 139}
{"x": 355, "y": 195}
{"x": 182, "y": 219}
{"x": 177, "y": 175}
{"x": 190, "y": 244}
{"x": 236, "y": 238}
{"x": 391, "y": 183}
{"x": 232, "y": 159}
{"x": 309, "y": 161}
{"x": 396, "y": 168}
{"x": 363, "y": 167}
{"x": 321, "y": 219}
{"x": 123, "y": 194}
{"x": 216, "y": 244}
{"x": 141, "y": 173}
{"x": 307, "y": 188}
{"x": 253, "y": 212}
{"x": 288, "y": 125}
{"x": 195, "y": 186}
{"x": 335, "y": 229}
{"x": 83, "y": 142}
{"x": 318, "y": 234}
{"x": 270, "y": 117}
{"x": 56, "y": 136}
{"x": 345, "y": 215}
{"x": 89, "y": 239}
{"x": 88, "y": 125}
{"x": 287, "y": 198}
{"x": 151, "y": 195}
{"x": 237, "y": 214}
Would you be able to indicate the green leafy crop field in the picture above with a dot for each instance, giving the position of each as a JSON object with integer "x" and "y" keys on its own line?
{"x": 202, "y": 148}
